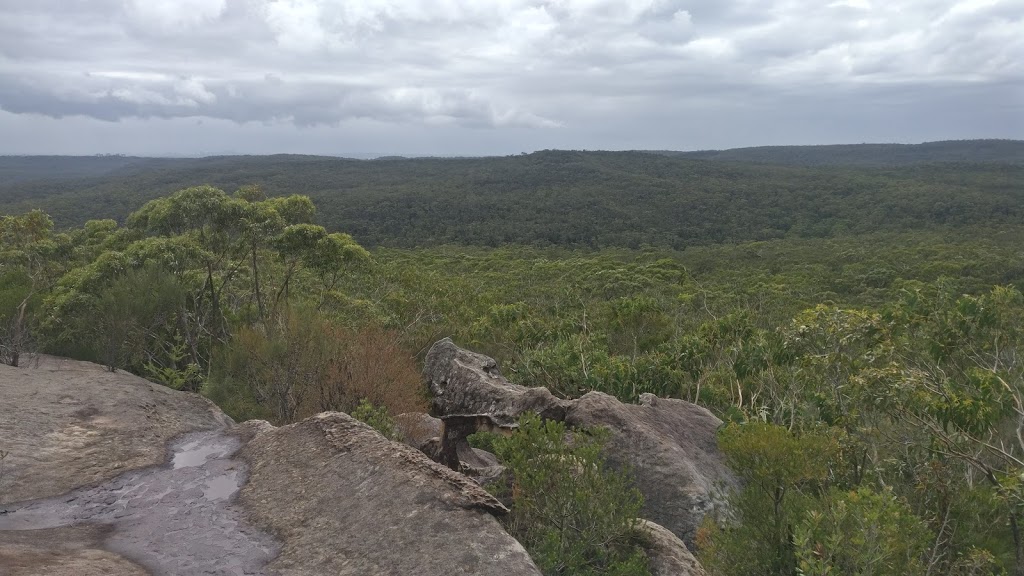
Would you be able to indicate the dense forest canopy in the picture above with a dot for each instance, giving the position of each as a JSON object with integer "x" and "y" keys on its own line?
{"x": 960, "y": 151}
{"x": 859, "y": 330}
{"x": 574, "y": 199}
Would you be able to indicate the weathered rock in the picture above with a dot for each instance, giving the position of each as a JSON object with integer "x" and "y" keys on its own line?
{"x": 480, "y": 465}
{"x": 345, "y": 500}
{"x": 424, "y": 432}
{"x": 419, "y": 430}
{"x": 72, "y": 425}
{"x": 455, "y": 430}
{"x": 69, "y": 551}
{"x": 67, "y": 424}
{"x": 668, "y": 445}
{"x": 110, "y": 474}
{"x": 467, "y": 383}
{"x": 671, "y": 449}
{"x": 668, "y": 555}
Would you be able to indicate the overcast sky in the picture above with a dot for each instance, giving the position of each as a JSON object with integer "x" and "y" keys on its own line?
{"x": 442, "y": 77}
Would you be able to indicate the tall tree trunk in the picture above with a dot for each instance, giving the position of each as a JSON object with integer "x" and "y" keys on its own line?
{"x": 1018, "y": 565}
{"x": 18, "y": 333}
{"x": 256, "y": 284}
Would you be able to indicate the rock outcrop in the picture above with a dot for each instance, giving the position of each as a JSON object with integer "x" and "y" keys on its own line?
{"x": 667, "y": 554}
{"x": 465, "y": 383}
{"x": 380, "y": 507}
{"x": 66, "y": 424}
{"x": 110, "y": 474}
{"x": 668, "y": 445}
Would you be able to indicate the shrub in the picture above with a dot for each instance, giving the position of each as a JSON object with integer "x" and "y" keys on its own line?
{"x": 861, "y": 533}
{"x": 483, "y": 440}
{"x": 299, "y": 363}
{"x": 572, "y": 513}
{"x": 377, "y": 418}
{"x": 371, "y": 365}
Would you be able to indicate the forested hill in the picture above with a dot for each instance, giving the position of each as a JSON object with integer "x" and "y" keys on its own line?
{"x": 566, "y": 198}
{"x": 15, "y": 169}
{"x": 878, "y": 155}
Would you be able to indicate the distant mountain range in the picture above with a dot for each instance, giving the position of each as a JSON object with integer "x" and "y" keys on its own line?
{"x": 28, "y": 168}
{"x": 1007, "y": 151}
{"x": 572, "y": 198}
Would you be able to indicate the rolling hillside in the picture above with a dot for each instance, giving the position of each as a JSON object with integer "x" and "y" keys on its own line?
{"x": 565, "y": 198}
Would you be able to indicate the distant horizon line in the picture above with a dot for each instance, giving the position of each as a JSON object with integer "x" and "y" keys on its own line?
{"x": 385, "y": 155}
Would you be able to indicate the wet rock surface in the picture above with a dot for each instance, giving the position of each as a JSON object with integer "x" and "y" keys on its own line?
{"x": 172, "y": 519}
{"x": 67, "y": 424}
{"x": 110, "y": 474}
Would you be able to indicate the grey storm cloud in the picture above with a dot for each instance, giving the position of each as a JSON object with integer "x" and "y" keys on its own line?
{"x": 601, "y": 73}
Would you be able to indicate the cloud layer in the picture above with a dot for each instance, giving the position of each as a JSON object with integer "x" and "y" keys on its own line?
{"x": 593, "y": 72}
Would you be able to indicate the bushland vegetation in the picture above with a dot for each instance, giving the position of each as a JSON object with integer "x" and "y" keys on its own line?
{"x": 872, "y": 384}
{"x": 571, "y": 512}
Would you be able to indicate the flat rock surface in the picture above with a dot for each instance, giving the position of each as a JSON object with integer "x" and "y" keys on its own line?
{"x": 70, "y": 551}
{"x": 345, "y": 500}
{"x": 110, "y": 474}
{"x": 67, "y": 424}
{"x": 104, "y": 489}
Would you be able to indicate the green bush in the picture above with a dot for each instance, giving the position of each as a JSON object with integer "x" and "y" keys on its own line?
{"x": 572, "y": 513}
{"x": 861, "y": 533}
{"x": 483, "y": 440}
{"x": 376, "y": 417}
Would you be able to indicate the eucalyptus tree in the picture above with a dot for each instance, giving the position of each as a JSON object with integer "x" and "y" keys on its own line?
{"x": 231, "y": 258}
{"x": 29, "y": 262}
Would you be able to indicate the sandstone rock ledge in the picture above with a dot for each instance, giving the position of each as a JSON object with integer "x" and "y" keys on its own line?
{"x": 345, "y": 500}
{"x": 110, "y": 474}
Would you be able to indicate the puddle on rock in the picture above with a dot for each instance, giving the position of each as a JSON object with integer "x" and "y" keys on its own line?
{"x": 196, "y": 452}
{"x": 221, "y": 487}
{"x": 191, "y": 499}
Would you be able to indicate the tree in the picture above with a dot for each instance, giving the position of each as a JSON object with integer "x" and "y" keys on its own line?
{"x": 27, "y": 250}
{"x": 783, "y": 473}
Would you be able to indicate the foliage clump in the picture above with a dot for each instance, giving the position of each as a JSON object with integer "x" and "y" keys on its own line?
{"x": 302, "y": 363}
{"x": 572, "y": 512}
{"x": 377, "y": 417}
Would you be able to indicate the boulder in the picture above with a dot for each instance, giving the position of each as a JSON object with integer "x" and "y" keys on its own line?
{"x": 421, "y": 431}
{"x": 668, "y": 445}
{"x": 467, "y": 383}
{"x": 480, "y": 465}
{"x": 667, "y": 554}
{"x": 345, "y": 500}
